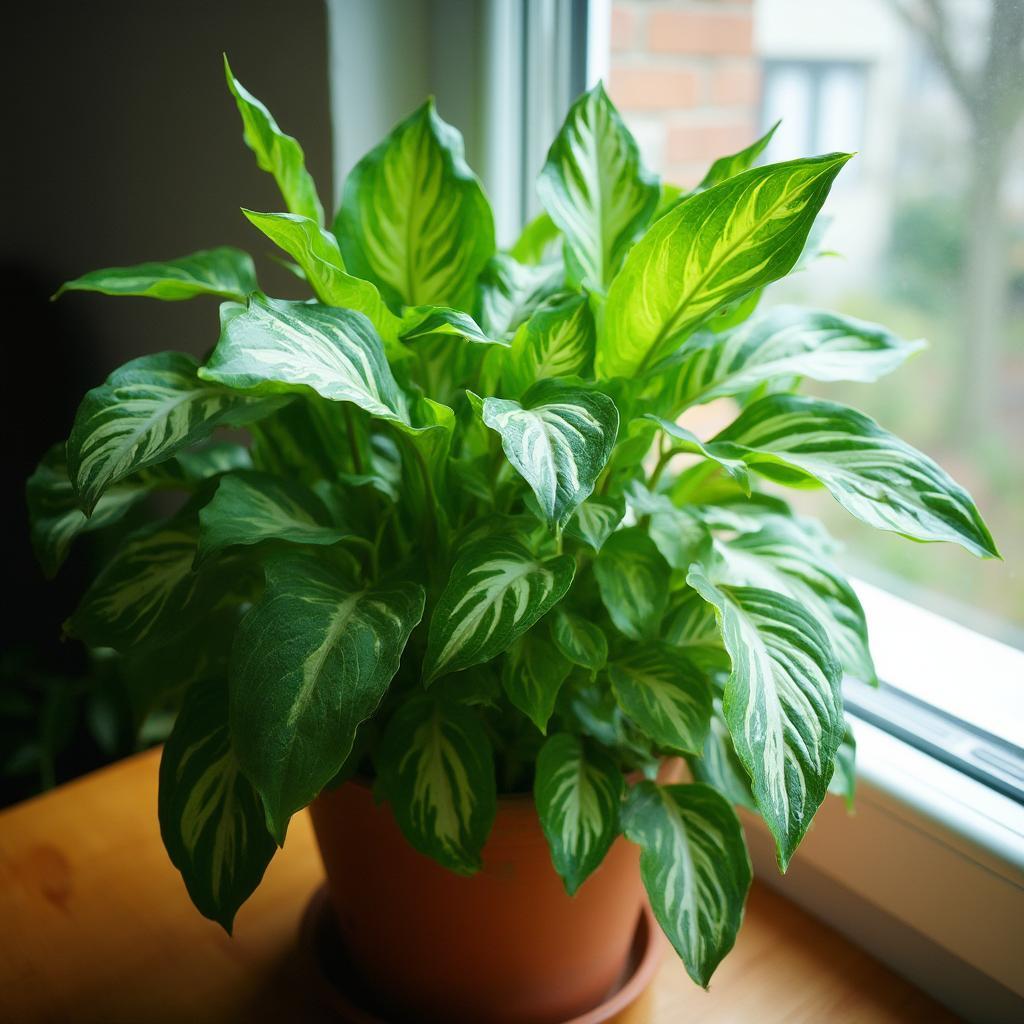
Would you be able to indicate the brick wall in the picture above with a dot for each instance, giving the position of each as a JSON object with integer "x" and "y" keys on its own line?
{"x": 685, "y": 76}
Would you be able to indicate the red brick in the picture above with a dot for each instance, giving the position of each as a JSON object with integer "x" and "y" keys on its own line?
{"x": 737, "y": 84}
{"x": 654, "y": 88}
{"x": 624, "y": 22}
{"x": 690, "y": 143}
{"x": 689, "y": 32}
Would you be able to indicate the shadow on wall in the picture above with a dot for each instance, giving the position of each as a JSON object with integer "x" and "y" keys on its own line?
{"x": 123, "y": 145}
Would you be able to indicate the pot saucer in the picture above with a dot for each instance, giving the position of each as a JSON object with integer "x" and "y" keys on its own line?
{"x": 340, "y": 989}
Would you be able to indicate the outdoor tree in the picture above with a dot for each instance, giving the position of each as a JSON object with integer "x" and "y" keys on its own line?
{"x": 991, "y": 91}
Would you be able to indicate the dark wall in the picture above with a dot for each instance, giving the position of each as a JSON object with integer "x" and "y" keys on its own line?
{"x": 124, "y": 145}
{"x": 120, "y": 143}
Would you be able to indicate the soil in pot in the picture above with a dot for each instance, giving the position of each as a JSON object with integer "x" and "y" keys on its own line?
{"x": 505, "y": 946}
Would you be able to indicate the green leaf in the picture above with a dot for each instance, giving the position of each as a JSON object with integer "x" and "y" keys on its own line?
{"x": 874, "y": 475}
{"x": 414, "y": 218}
{"x": 277, "y": 153}
{"x": 147, "y": 593}
{"x": 497, "y": 590}
{"x": 557, "y": 341}
{"x": 712, "y": 248}
{"x": 577, "y": 790}
{"x": 786, "y": 341}
{"x": 633, "y": 578}
{"x": 690, "y": 624}
{"x": 510, "y": 292}
{"x": 55, "y": 515}
{"x": 782, "y": 703}
{"x": 729, "y": 166}
{"x": 533, "y": 674}
{"x": 278, "y": 347}
{"x": 437, "y": 771}
{"x": 558, "y": 439}
{"x": 316, "y": 251}
{"x": 595, "y": 187}
{"x": 429, "y": 321}
{"x": 781, "y": 557}
{"x": 146, "y": 411}
{"x": 249, "y": 508}
{"x": 596, "y": 520}
{"x": 537, "y": 241}
{"x": 684, "y": 440}
{"x": 311, "y": 661}
{"x": 211, "y": 819}
{"x": 720, "y": 767}
{"x": 579, "y": 639}
{"x": 225, "y": 271}
{"x": 695, "y": 868}
{"x": 665, "y": 694}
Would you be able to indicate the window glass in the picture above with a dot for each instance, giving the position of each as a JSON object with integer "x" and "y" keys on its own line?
{"x": 927, "y": 224}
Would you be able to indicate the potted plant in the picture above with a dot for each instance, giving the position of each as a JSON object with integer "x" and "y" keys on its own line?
{"x": 467, "y": 554}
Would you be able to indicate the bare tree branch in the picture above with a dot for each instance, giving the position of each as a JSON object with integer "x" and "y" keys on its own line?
{"x": 928, "y": 18}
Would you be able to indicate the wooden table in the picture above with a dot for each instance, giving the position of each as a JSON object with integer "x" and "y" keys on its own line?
{"x": 95, "y": 925}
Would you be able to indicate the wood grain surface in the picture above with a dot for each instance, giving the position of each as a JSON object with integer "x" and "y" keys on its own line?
{"x": 97, "y": 927}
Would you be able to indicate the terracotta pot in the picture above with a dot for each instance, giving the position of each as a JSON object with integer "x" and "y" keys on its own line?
{"x": 505, "y": 946}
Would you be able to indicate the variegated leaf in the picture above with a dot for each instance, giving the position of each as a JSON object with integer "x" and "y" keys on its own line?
{"x": 414, "y": 218}
{"x": 665, "y": 694}
{"x": 873, "y": 474}
{"x": 146, "y": 411}
{"x": 633, "y": 578}
{"x": 510, "y": 292}
{"x": 681, "y": 534}
{"x": 276, "y": 153}
{"x": 557, "y": 341}
{"x": 684, "y": 440}
{"x": 781, "y": 557}
{"x": 714, "y": 247}
{"x": 211, "y": 819}
{"x": 720, "y": 767}
{"x": 533, "y": 673}
{"x": 430, "y": 321}
{"x": 728, "y": 166}
{"x": 558, "y": 438}
{"x": 596, "y": 520}
{"x": 537, "y": 242}
{"x": 691, "y": 625}
{"x": 786, "y": 341}
{"x": 55, "y": 515}
{"x": 275, "y": 346}
{"x": 577, "y": 790}
{"x": 224, "y": 271}
{"x": 497, "y": 590}
{"x": 695, "y": 868}
{"x": 250, "y": 507}
{"x": 148, "y": 592}
{"x": 437, "y": 771}
{"x": 311, "y": 661}
{"x": 782, "y": 703}
{"x": 316, "y": 251}
{"x": 579, "y": 639}
{"x": 595, "y": 187}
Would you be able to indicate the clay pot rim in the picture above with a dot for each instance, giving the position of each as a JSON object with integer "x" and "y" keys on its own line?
{"x": 514, "y": 799}
{"x": 518, "y": 799}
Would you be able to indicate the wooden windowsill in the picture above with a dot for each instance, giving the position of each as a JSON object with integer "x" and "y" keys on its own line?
{"x": 97, "y": 927}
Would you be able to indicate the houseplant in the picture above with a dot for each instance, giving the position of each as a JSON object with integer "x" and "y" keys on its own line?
{"x": 459, "y": 555}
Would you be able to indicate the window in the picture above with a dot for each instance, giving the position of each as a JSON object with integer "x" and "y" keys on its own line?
{"x": 927, "y": 222}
